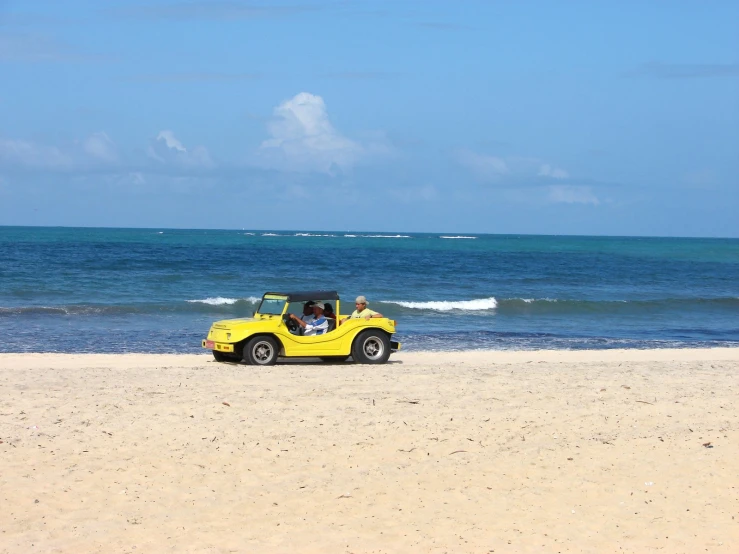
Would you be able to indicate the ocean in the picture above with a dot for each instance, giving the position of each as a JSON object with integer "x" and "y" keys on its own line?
{"x": 158, "y": 290}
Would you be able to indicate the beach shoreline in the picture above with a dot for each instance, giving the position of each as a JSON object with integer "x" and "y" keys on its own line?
{"x": 505, "y": 451}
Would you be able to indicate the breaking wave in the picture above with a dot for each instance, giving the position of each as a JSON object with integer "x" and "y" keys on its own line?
{"x": 333, "y": 235}
{"x": 449, "y": 305}
{"x": 387, "y": 236}
{"x": 555, "y": 306}
{"x": 220, "y": 301}
{"x": 398, "y": 308}
{"x": 205, "y": 305}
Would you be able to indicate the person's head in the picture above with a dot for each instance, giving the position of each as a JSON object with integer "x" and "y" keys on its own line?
{"x": 308, "y": 307}
{"x": 361, "y": 303}
{"x": 328, "y": 309}
{"x": 317, "y": 309}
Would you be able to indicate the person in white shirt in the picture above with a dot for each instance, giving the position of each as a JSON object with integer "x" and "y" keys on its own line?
{"x": 318, "y": 326}
{"x": 308, "y": 316}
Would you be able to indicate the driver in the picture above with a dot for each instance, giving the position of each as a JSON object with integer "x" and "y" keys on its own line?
{"x": 307, "y": 316}
{"x": 318, "y": 326}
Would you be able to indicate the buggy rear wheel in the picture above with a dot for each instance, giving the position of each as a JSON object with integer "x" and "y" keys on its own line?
{"x": 371, "y": 347}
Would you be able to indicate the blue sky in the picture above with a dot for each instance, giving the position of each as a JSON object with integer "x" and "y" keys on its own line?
{"x": 616, "y": 118}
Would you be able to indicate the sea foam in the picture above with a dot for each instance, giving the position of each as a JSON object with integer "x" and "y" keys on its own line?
{"x": 449, "y": 305}
{"x": 220, "y": 301}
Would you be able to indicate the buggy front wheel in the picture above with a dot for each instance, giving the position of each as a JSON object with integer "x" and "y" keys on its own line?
{"x": 261, "y": 351}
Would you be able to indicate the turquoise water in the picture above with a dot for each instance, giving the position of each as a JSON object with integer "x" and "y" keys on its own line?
{"x": 158, "y": 290}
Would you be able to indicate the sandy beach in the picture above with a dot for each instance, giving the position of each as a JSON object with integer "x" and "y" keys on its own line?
{"x": 590, "y": 451}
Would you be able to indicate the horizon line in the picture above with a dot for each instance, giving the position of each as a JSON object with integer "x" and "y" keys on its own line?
{"x": 440, "y": 233}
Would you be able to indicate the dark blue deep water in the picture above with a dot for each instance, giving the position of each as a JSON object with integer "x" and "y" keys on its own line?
{"x": 158, "y": 290}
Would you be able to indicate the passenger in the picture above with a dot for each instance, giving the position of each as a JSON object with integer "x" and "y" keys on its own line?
{"x": 328, "y": 311}
{"x": 319, "y": 324}
{"x": 362, "y": 310}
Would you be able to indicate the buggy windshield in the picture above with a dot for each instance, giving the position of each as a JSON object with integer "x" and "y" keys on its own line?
{"x": 272, "y": 305}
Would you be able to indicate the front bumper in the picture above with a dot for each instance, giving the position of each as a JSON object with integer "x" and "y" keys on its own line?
{"x": 394, "y": 346}
{"x": 218, "y": 346}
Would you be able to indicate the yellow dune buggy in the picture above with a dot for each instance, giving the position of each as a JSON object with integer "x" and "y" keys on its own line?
{"x": 271, "y": 334}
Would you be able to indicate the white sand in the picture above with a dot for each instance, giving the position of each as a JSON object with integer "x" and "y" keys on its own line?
{"x": 475, "y": 452}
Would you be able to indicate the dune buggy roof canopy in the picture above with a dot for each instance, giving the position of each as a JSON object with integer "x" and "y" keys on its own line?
{"x": 305, "y": 295}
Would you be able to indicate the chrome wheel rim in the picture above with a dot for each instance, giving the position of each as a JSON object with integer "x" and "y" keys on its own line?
{"x": 262, "y": 352}
{"x": 373, "y": 348}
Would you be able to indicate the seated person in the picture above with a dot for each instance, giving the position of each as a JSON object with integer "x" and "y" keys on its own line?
{"x": 328, "y": 311}
{"x": 319, "y": 324}
{"x": 307, "y": 316}
{"x": 362, "y": 310}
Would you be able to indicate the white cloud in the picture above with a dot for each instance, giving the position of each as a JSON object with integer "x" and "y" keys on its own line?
{"x": 304, "y": 140}
{"x": 547, "y": 170}
{"x": 494, "y": 168}
{"x": 167, "y": 149}
{"x": 486, "y": 168}
{"x": 98, "y": 145}
{"x": 27, "y": 154}
{"x": 570, "y": 194}
{"x": 171, "y": 141}
{"x": 95, "y": 150}
{"x": 522, "y": 172}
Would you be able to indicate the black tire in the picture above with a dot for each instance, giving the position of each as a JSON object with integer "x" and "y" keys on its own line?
{"x": 334, "y": 359}
{"x": 220, "y": 356}
{"x": 261, "y": 351}
{"x": 371, "y": 347}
